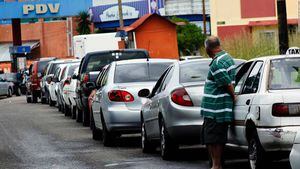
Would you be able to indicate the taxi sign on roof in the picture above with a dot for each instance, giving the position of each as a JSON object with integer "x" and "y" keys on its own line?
{"x": 293, "y": 51}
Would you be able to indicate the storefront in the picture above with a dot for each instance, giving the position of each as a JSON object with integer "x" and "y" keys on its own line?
{"x": 105, "y": 12}
{"x": 47, "y": 27}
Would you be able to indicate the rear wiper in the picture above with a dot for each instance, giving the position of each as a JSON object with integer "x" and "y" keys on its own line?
{"x": 195, "y": 77}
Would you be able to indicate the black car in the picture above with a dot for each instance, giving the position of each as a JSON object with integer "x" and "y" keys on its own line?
{"x": 89, "y": 69}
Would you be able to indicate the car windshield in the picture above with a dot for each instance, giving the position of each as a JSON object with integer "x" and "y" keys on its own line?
{"x": 139, "y": 72}
{"x": 97, "y": 61}
{"x": 194, "y": 71}
{"x": 11, "y": 77}
{"x": 284, "y": 74}
{"x": 53, "y": 67}
{"x": 72, "y": 69}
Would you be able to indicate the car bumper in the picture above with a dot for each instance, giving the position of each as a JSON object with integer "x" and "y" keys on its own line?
{"x": 123, "y": 120}
{"x": 277, "y": 139}
{"x": 294, "y": 156}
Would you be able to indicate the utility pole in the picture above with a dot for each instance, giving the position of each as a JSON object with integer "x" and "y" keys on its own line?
{"x": 282, "y": 26}
{"x": 204, "y": 16}
{"x": 121, "y": 21}
{"x": 17, "y": 41}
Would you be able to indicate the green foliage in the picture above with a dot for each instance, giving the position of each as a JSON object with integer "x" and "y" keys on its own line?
{"x": 190, "y": 37}
{"x": 84, "y": 23}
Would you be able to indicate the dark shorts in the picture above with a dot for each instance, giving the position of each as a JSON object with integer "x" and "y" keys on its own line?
{"x": 213, "y": 132}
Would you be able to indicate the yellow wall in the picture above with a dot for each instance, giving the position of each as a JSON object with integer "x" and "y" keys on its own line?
{"x": 230, "y": 12}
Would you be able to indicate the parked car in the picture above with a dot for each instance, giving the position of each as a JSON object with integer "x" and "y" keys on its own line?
{"x": 267, "y": 115}
{"x": 33, "y": 86}
{"x": 65, "y": 82}
{"x": 89, "y": 69}
{"x": 47, "y": 78}
{"x": 116, "y": 105}
{"x": 191, "y": 57}
{"x": 295, "y": 153}
{"x": 15, "y": 78}
{"x": 6, "y": 87}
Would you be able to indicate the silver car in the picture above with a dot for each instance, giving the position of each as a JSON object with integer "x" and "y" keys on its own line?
{"x": 295, "y": 153}
{"x": 116, "y": 105}
{"x": 171, "y": 114}
{"x": 6, "y": 87}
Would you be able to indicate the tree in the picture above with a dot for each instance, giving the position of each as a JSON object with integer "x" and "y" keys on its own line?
{"x": 84, "y": 23}
{"x": 190, "y": 37}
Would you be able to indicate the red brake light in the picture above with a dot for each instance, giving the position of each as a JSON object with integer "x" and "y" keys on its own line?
{"x": 66, "y": 82}
{"x": 285, "y": 110}
{"x": 85, "y": 78}
{"x": 120, "y": 96}
{"x": 181, "y": 97}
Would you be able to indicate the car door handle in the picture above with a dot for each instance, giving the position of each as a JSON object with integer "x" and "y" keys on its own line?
{"x": 248, "y": 102}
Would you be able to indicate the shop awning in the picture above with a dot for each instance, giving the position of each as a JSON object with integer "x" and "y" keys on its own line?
{"x": 4, "y": 49}
{"x": 271, "y": 22}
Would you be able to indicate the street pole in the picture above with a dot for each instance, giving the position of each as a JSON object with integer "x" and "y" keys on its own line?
{"x": 17, "y": 41}
{"x": 121, "y": 21}
{"x": 204, "y": 16}
{"x": 282, "y": 26}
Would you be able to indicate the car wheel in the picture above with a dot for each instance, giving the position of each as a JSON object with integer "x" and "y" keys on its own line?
{"x": 34, "y": 97}
{"x": 67, "y": 110}
{"x": 18, "y": 91}
{"x": 59, "y": 107}
{"x": 51, "y": 102}
{"x": 86, "y": 117}
{"x": 97, "y": 134}
{"x": 73, "y": 111}
{"x": 147, "y": 146}
{"x": 9, "y": 92}
{"x": 78, "y": 115}
{"x": 168, "y": 147}
{"x": 108, "y": 138}
{"x": 28, "y": 99}
{"x": 255, "y": 152}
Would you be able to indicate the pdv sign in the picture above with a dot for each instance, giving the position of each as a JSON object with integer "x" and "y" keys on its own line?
{"x": 41, "y": 8}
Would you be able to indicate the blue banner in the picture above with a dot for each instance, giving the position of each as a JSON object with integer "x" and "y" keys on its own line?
{"x": 43, "y": 8}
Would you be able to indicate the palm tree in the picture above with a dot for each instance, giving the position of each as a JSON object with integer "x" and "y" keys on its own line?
{"x": 84, "y": 23}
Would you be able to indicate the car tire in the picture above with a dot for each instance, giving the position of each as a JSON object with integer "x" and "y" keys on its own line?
{"x": 97, "y": 134}
{"x": 9, "y": 92}
{"x": 147, "y": 146}
{"x": 86, "y": 118}
{"x": 34, "y": 97}
{"x": 73, "y": 112}
{"x": 51, "y": 102}
{"x": 108, "y": 138}
{"x": 67, "y": 110}
{"x": 18, "y": 91}
{"x": 168, "y": 147}
{"x": 78, "y": 115}
{"x": 28, "y": 99}
{"x": 59, "y": 106}
{"x": 256, "y": 153}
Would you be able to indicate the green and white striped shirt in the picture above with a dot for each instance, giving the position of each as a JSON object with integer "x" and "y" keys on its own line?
{"x": 216, "y": 102}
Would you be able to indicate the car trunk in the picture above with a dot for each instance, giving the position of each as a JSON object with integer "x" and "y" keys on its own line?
{"x": 291, "y": 96}
{"x": 195, "y": 91}
{"x": 133, "y": 89}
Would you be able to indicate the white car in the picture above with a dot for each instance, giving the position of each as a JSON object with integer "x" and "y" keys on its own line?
{"x": 54, "y": 82}
{"x": 69, "y": 91}
{"x": 267, "y": 109}
{"x": 295, "y": 153}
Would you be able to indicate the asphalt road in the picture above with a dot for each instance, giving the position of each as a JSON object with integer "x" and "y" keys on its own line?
{"x": 38, "y": 136}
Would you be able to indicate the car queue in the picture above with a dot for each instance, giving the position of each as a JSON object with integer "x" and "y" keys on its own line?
{"x": 125, "y": 92}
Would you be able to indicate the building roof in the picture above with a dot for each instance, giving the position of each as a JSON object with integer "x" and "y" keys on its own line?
{"x": 142, "y": 20}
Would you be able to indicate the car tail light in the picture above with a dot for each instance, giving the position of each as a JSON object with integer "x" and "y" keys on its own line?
{"x": 181, "y": 97}
{"x": 120, "y": 96}
{"x": 66, "y": 82}
{"x": 85, "y": 78}
{"x": 285, "y": 110}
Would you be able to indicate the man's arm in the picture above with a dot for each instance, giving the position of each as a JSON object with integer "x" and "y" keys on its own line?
{"x": 230, "y": 89}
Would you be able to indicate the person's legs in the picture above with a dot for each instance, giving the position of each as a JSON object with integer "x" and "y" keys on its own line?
{"x": 216, "y": 153}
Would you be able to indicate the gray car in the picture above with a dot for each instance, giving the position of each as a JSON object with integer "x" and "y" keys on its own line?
{"x": 116, "y": 105}
{"x": 171, "y": 114}
{"x": 6, "y": 87}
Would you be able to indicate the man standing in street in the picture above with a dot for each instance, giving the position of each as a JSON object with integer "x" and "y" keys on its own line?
{"x": 218, "y": 99}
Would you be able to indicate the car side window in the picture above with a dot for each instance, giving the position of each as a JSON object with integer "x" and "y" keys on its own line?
{"x": 104, "y": 78}
{"x": 99, "y": 78}
{"x": 252, "y": 81}
{"x": 158, "y": 83}
{"x": 160, "y": 88}
{"x": 241, "y": 77}
{"x": 167, "y": 79}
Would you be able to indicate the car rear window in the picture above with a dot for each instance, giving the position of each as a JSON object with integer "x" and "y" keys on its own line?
{"x": 284, "y": 74}
{"x": 42, "y": 65}
{"x": 139, "y": 72}
{"x": 97, "y": 61}
{"x": 194, "y": 71}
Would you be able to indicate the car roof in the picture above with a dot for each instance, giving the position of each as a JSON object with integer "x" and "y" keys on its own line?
{"x": 131, "y": 61}
{"x": 65, "y": 61}
{"x": 265, "y": 58}
{"x": 114, "y": 51}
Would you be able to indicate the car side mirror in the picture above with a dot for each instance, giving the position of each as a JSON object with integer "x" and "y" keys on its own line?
{"x": 91, "y": 85}
{"x": 75, "y": 76}
{"x": 144, "y": 93}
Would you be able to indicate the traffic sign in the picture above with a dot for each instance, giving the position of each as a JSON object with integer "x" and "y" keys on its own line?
{"x": 19, "y": 49}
